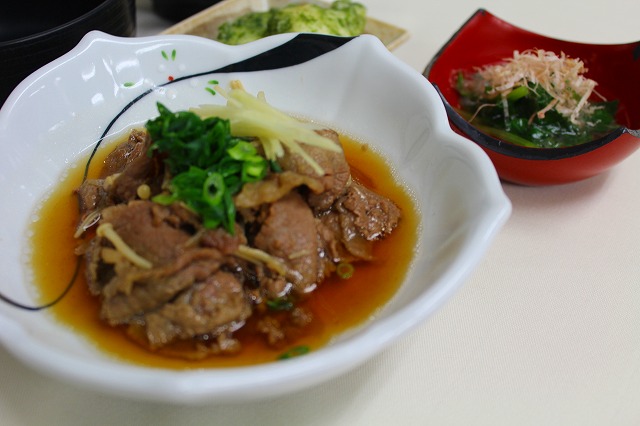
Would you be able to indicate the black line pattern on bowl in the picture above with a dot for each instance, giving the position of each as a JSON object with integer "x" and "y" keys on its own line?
{"x": 300, "y": 49}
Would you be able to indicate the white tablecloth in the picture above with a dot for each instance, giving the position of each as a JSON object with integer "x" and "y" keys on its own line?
{"x": 545, "y": 332}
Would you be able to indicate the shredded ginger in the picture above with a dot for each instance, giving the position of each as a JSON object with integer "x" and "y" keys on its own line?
{"x": 106, "y": 230}
{"x": 252, "y": 116}
{"x": 560, "y": 76}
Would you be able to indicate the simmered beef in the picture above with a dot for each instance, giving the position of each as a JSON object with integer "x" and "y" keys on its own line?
{"x": 142, "y": 171}
{"x": 167, "y": 236}
{"x": 274, "y": 187}
{"x": 125, "y": 170}
{"x": 212, "y": 306}
{"x": 133, "y": 291}
{"x": 125, "y": 153}
{"x": 157, "y": 233}
{"x": 277, "y": 331}
{"x": 158, "y": 270}
{"x": 374, "y": 216}
{"x": 336, "y": 171}
{"x": 341, "y": 240}
{"x": 357, "y": 218}
{"x": 92, "y": 196}
{"x": 289, "y": 233}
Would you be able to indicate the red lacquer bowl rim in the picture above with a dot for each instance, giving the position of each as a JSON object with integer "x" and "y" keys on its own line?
{"x": 484, "y": 17}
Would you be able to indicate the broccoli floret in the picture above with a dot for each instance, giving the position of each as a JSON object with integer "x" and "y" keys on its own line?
{"x": 342, "y": 18}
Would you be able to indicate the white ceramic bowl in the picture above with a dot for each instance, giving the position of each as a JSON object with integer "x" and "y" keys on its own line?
{"x": 107, "y": 85}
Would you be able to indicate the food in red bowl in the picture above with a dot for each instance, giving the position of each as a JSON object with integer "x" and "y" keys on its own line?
{"x": 485, "y": 40}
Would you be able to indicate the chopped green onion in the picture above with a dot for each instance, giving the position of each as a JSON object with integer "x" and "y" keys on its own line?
{"x": 275, "y": 166}
{"x": 345, "y": 270}
{"x": 517, "y": 93}
{"x": 164, "y": 199}
{"x": 254, "y": 169}
{"x": 242, "y": 151}
{"x": 213, "y": 189}
{"x": 208, "y": 165}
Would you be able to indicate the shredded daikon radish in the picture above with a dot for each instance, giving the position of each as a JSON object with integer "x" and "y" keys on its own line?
{"x": 252, "y": 116}
{"x": 560, "y": 76}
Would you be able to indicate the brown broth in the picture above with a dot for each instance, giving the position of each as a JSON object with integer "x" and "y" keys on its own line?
{"x": 337, "y": 304}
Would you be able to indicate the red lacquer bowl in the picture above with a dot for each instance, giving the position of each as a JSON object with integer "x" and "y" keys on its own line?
{"x": 485, "y": 39}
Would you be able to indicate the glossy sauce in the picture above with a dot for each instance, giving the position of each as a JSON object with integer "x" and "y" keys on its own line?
{"x": 337, "y": 304}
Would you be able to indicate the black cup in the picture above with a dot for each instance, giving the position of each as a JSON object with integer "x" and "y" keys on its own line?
{"x": 35, "y": 32}
{"x": 177, "y": 10}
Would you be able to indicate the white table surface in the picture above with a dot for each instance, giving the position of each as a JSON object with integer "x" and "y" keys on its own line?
{"x": 545, "y": 332}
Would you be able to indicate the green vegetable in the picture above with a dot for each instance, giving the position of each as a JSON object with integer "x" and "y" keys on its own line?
{"x": 342, "y": 18}
{"x": 208, "y": 166}
{"x": 295, "y": 351}
{"x": 280, "y": 304}
{"x": 514, "y": 118}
